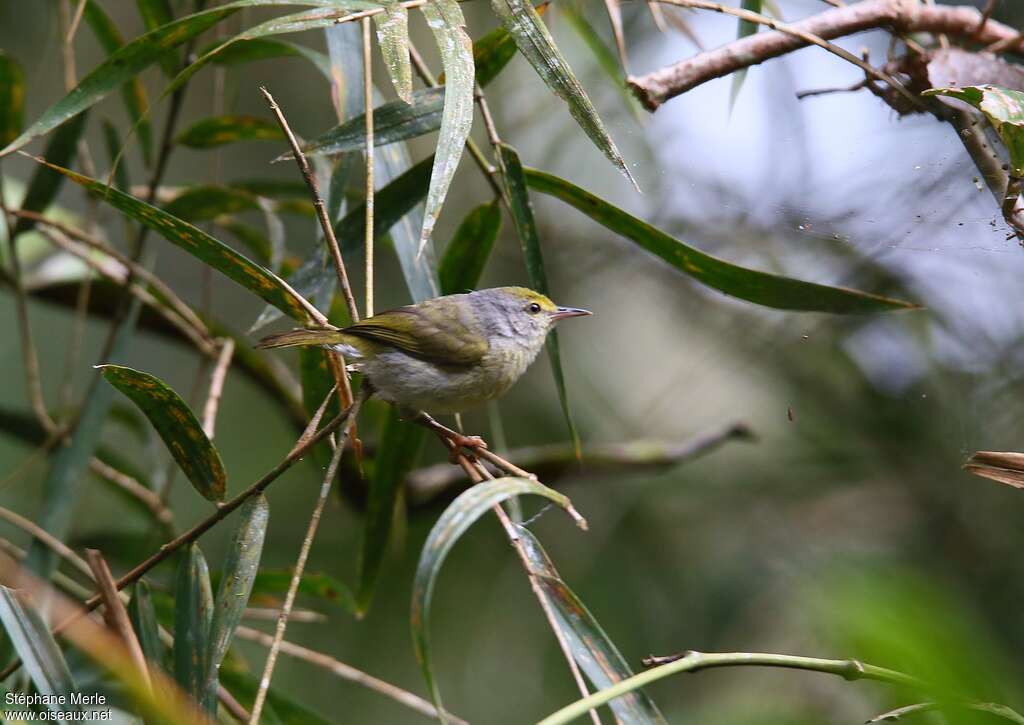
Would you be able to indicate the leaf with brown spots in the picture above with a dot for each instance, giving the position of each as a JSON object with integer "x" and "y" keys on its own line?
{"x": 199, "y": 244}
{"x": 179, "y": 429}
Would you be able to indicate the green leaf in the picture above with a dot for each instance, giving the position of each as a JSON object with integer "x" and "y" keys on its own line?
{"x": 144, "y": 622}
{"x": 400, "y": 445}
{"x": 205, "y": 202}
{"x": 456, "y": 519}
{"x": 39, "y": 652}
{"x": 394, "y": 121}
{"x": 198, "y": 243}
{"x": 529, "y": 241}
{"x": 744, "y": 28}
{"x": 535, "y": 42}
{"x": 241, "y": 566}
{"x": 273, "y": 584}
{"x": 177, "y": 426}
{"x": 12, "y": 98}
{"x": 220, "y": 130}
{"x": 1003, "y": 108}
{"x": 445, "y": 20}
{"x": 193, "y": 614}
{"x": 132, "y": 91}
{"x": 393, "y": 39}
{"x": 594, "y": 652}
{"x": 491, "y": 54}
{"x": 247, "y": 51}
{"x": 466, "y": 254}
{"x": 45, "y": 184}
{"x": 156, "y": 13}
{"x": 770, "y": 290}
{"x": 391, "y": 203}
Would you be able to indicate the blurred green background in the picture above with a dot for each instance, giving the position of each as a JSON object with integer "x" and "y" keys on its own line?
{"x": 846, "y": 530}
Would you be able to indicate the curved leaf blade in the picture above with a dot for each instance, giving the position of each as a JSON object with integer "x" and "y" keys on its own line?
{"x": 400, "y": 445}
{"x": 133, "y": 92}
{"x": 240, "y": 568}
{"x": 247, "y": 51}
{"x": 592, "y": 649}
{"x": 207, "y": 249}
{"x": 393, "y": 39}
{"x": 12, "y": 98}
{"x": 525, "y": 26}
{"x": 39, "y": 652}
{"x": 154, "y": 14}
{"x": 220, "y": 130}
{"x": 193, "y": 614}
{"x": 448, "y": 25}
{"x": 177, "y": 426}
{"x": 394, "y": 121}
{"x": 466, "y": 254}
{"x": 529, "y": 240}
{"x": 770, "y": 290}
{"x": 453, "y": 523}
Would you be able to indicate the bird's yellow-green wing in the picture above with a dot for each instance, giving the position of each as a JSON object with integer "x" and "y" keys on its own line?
{"x": 441, "y": 331}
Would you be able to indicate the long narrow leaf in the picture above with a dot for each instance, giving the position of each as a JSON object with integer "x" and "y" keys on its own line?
{"x": 394, "y": 121}
{"x": 272, "y": 584}
{"x": 198, "y": 243}
{"x": 593, "y": 651}
{"x": 240, "y": 569}
{"x": 535, "y": 42}
{"x": 247, "y": 51}
{"x": 453, "y": 523}
{"x": 39, "y": 653}
{"x": 156, "y": 13}
{"x": 445, "y": 20}
{"x": 529, "y": 240}
{"x": 177, "y": 426}
{"x": 744, "y": 28}
{"x": 393, "y": 38}
{"x": 144, "y": 622}
{"x": 219, "y": 130}
{"x": 770, "y": 290}
{"x": 464, "y": 258}
{"x": 193, "y": 614}
{"x": 12, "y": 98}
{"x": 400, "y": 444}
{"x": 133, "y": 92}
{"x": 45, "y": 184}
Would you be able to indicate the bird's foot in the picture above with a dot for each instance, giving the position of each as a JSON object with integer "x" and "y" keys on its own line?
{"x": 460, "y": 442}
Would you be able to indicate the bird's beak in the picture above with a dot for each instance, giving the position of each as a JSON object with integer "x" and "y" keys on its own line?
{"x": 563, "y": 312}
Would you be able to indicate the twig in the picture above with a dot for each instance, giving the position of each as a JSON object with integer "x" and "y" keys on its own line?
{"x": 127, "y": 483}
{"x": 300, "y": 567}
{"x": 556, "y": 459}
{"x": 368, "y": 116}
{"x": 986, "y": 13}
{"x": 69, "y": 38}
{"x": 989, "y": 707}
{"x": 477, "y": 473}
{"x": 305, "y": 616}
{"x": 695, "y": 661}
{"x": 901, "y": 16}
{"x": 115, "y": 613}
{"x": 346, "y": 672}
{"x": 799, "y": 34}
{"x": 227, "y": 349}
{"x": 206, "y": 524}
{"x": 318, "y": 204}
{"x": 56, "y": 545}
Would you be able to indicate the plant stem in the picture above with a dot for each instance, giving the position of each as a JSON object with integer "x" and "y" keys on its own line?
{"x": 368, "y": 116}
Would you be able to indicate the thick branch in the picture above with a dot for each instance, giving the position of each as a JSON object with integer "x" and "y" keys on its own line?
{"x": 902, "y": 16}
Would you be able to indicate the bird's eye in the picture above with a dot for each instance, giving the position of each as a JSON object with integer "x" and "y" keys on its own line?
{"x": 534, "y": 308}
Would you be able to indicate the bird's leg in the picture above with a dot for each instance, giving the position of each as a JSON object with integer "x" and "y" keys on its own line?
{"x": 445, "y": 433}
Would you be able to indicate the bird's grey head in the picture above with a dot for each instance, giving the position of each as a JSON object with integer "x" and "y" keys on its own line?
{"x": 520, "y": 314}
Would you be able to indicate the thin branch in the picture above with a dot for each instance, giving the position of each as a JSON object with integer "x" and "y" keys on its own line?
{"x": 227, "y": 349}
{"x": 901, "y": 16}
{"x": 318, "y": 203}
{"x": 150, "y": 499}
{"x": 300, "y": 567}
{"x": 69, "y": 38}
{"x": 115, "y": 613}
{"x": 346, "y": 672}
{"x": 368, "y": 116}
{"x": 45, "y": 537}
{"x": 206, "y": 524}
{"x": 305, "y": 616}
{"x": 988, "y": 707}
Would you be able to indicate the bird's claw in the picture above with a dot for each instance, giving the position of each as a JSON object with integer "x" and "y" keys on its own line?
{"x": 459, "y": 442}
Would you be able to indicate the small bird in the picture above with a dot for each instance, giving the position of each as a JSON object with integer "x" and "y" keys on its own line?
{"x": 444, "y": 355}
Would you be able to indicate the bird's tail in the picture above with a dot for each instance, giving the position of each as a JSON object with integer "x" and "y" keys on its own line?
{"x": 293, "y": 338}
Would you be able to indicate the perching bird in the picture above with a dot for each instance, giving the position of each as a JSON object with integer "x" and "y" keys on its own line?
{"x": 444, "y": 355}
